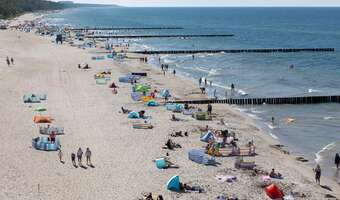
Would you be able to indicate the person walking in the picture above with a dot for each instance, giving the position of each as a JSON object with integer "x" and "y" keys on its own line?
{"x": 79, "y": 156}
{"x": 337, "y": 160}
{"x": 12, "y": 61}
{"x": 174, "y": 72}
{"x": 88, "y": 154}
{"x": 60, "y": 155}
{"x": 317, "y": 171}
{"x": 73, "y": 159}
{"x": 8, "y": 62}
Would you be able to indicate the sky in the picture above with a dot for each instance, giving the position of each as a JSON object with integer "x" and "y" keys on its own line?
{"x": 215, "y": 2}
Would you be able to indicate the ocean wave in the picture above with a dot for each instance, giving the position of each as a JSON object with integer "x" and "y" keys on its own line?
{"x": 328, "y": 117}
{"x": 313, "y": 91}
{"x": 273, "y": 135}
{"x": 318, "y": 156}
{"x": 254, "y": 116}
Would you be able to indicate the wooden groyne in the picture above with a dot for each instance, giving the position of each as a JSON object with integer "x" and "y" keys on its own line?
{"x": 269, "y": 100}
{"x": 282, "y": 50}
{"x": 123, "y": 28}
{"x": 158, "y": 36}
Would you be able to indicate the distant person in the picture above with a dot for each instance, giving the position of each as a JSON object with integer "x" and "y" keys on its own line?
{"x": 79, "y": 66}
{"x": 273, "y": 121}
{"x": 12, "y": 61}
{"x": 174, "y": 72}
{"x": 337, "y": 160}
{"x": 232, "y": 86}
{"x": 317, "y": 171}
{"x": 209, "y": 109}
{"x": 193, "y": 57}
{"x": 291, "y": 66}
{"x": 205, "y": 82}
{"x": 8, "y": 62}
{"x": 88, "y": 155}
{"x": 79, "y": 156}
{"x": 60, "y": 155}
{"x": 73, "y": 159}
{"x": 200, "y": 81}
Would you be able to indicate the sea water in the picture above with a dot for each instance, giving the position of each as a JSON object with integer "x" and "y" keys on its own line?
{"x": 315, "y": 132}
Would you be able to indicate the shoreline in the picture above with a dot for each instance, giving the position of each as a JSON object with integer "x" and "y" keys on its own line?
{"x": 245, "y": 126}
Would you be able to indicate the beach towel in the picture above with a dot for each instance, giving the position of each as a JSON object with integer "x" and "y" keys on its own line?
{"x": 101, "y": 81}
{"x": 142, "y": 126}
{"x": 139, "y": 73}
{"x": 146, "y": 98}
{"x": 42, "y": 119}
{"x": 174, "y": 184}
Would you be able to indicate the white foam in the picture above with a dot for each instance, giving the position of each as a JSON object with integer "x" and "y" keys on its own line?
{"x": 328, "y": 117}
{"x": 273, "y": 136}
{"x": 313, "y": 91}
{"x": 318, "y": 156}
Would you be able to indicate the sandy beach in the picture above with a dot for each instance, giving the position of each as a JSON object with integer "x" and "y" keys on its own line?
{"x": 122, "y": 156}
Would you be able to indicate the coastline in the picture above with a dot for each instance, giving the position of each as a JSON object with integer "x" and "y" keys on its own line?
{"x": 294, "y": 171}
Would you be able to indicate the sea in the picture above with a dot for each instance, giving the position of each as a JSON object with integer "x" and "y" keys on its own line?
{"x": 312, "y": 131}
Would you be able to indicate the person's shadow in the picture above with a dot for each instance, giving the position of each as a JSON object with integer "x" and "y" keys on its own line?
{"x": 90, "y": 165}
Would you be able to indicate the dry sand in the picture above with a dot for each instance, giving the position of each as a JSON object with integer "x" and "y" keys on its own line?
{"x": 122, "y": 156}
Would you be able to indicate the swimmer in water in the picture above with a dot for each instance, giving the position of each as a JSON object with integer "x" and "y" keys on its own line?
{"x": 291, "y": 66}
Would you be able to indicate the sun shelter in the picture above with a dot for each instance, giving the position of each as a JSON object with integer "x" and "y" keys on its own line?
{"x": 165, "y": 93}
{"x": 42, "y": 119}
{"x": 34, "y": 98}
{"x": 142, "y": 88}
{"x": 174, "y": 184}
{"x": 175, "y": 107}
{"x": 43, "y": 143}
{"x": 198, "y": 156}
{"x": 133, "y": 115}
{"x": 152, "y": 103}
{"x": 161, "y": 163}
{"x": 207, "y": 137}
{"x": 274, "y": 192}
{"x": 136, "y": 96}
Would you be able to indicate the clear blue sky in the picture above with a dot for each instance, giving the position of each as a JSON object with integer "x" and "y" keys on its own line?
{"x": 216, "y": 2}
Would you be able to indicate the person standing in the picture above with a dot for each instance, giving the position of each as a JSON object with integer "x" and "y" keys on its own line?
{"x": 88, "y": 155}
{"x": 73, "y": 159}
{"x": 209, "y": 109}
{"x": 174, "y": 72}
{"x": 12, "y": 61}
{"x": 317, "y": 171}
{"x": 200, "y": 81}
{"x": 60, "y": 155}
{"x": 8, "y": 62}
{"x": 79, "y": 156}
{"x": 337, "y": 160}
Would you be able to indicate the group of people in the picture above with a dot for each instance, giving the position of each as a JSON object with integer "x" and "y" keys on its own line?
{"x": 9, "y": 61}
{"x": 79, "y": 156}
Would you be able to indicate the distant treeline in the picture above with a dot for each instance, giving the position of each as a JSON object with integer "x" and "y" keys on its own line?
{"x": 12, "y": 8}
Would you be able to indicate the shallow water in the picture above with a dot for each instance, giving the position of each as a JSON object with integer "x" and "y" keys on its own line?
{"x": 315, "y": 132}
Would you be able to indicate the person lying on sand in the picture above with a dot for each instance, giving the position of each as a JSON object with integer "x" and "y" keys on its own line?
{"x": 179, "y": 134}
{"x": 187, "y": 188}
{"x": 171, "y": 145}
{"x": 174, "y": 118}
{"x": 125, "y": 111}
{"x": 275, "y": 175}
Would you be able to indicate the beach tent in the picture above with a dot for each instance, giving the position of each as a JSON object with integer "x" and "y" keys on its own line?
{"x": 274, "y": 192}
{"x": 165, "y": 93}
{"x": 42, "y": 119}
{"x": 33, "y": 98}
{"x": 202, "y": 116}
{"x": 174, "y": 184}
{"x": 175, "y": 107}
{"x": 207, "y": 137}
{"x": 152, "y": 103}
{"x": 136, "y": 96}
{"x": 161, "y": 163}
{"x": 43, "y": 143}
{"x": 199, "y": 157}
{"x": 142, "y": 88}
{"x": 133, "y": 115}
